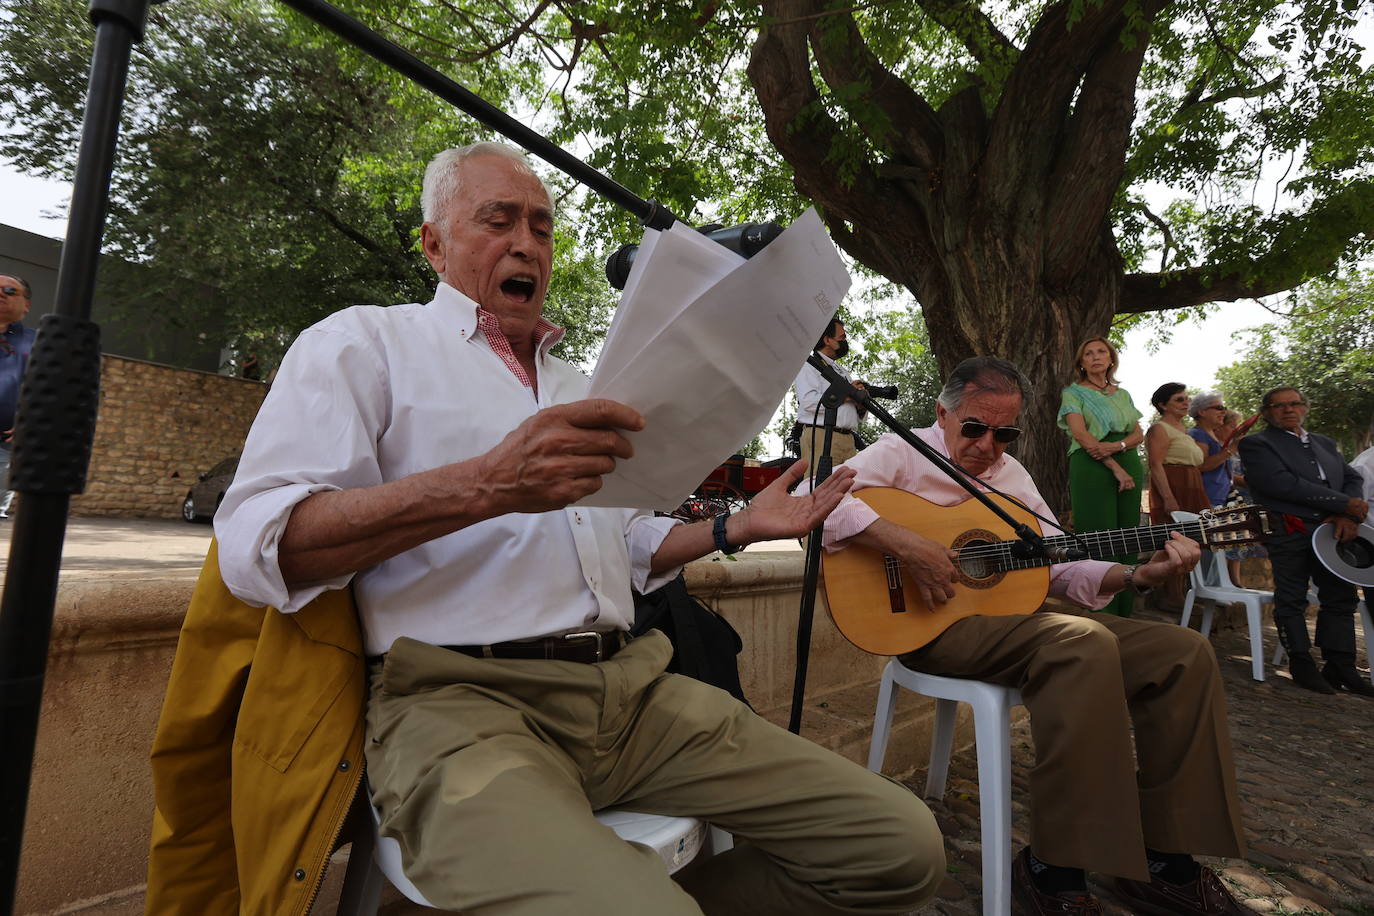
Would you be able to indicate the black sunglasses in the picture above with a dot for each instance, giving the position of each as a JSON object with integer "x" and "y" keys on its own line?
{"x": 9, "y": 290}
{"x": 976, "y": 429}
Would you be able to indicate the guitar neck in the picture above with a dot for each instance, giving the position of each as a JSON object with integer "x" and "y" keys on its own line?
{"x": 1100, "y": 544}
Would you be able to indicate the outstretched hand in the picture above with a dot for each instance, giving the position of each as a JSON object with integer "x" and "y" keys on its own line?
{"x": 775, "y": 513}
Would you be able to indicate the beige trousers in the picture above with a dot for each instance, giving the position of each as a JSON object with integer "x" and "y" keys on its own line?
{"x": 487, "y": 772}
{"x": 841, "y": 445}
{"x": 1086, "y": 680}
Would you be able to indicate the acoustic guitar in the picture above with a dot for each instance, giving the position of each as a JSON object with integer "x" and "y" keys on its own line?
{"x": 875, "y": 603}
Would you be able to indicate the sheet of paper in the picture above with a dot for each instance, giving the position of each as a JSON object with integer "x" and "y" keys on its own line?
{"x": 707, "y": 359}
{"x": 685, "y": 265}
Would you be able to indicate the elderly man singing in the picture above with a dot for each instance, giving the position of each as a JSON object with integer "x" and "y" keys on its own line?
{"x": 428, "y": 456}
{"x": 1087, "y": 680}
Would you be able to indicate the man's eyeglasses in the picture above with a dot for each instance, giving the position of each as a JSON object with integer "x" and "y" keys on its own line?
{"x": 1215, "y": 407}
{"x": 1282, "y": 404}
{"x": 976, "y": 429}
{"x": 10, "y": 290}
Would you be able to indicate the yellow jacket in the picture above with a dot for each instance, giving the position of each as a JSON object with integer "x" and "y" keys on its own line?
{"x": 258, "y": 753}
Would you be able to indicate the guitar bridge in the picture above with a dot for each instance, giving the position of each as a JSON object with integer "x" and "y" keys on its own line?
{"x": 895, "y": 596}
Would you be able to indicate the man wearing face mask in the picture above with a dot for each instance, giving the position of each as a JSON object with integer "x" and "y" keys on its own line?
{"x": 811, "y": 386}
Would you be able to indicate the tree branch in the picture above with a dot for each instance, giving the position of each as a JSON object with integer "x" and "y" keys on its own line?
{"x": 908, "y": 123}
{"x": 1030, "y": 117}
{"x": 1164, "y": 231}
{"x": 975, "y": 30}
{"x": 1299, "y": 249}
{"x": 1189, "y": 109}
{"x": 780, "y": 71}
{"x": 1089, "y": 166}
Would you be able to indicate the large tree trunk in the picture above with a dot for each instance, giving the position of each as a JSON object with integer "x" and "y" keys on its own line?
{"x": 996, "y": 220}
{"x": 984, "y": 303}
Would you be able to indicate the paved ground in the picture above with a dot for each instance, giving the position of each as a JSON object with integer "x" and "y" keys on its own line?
{"x": 1304, "y": 763}
{"x": 125, "y": 546}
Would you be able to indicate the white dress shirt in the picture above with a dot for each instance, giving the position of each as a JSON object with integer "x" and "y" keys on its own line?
{"x": 1364, "y": 463}
{"x": 374, "y": 394}
{"x": 811, "y": 386}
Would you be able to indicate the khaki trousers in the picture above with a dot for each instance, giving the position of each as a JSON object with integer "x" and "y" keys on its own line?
{"x": 1086, "y": 680}
{"x": 841, "y": 445}
{"x": 487, "y": 772}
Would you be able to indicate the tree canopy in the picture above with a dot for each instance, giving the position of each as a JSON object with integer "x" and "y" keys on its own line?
{"x": 1324, "y": 347}
{"x": 261, "y": 158}
{"x": 1027, "y": 170}
{"x": 1005, "y": 162}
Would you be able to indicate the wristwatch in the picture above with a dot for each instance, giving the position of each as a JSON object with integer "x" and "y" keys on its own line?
{"x": 718, "y": 534}
{"x": 1128, "y": 574}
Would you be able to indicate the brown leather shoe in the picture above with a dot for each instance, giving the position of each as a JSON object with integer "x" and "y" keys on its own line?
{"x": 1034, "y": 901}
{"x": 1206, "y": 895}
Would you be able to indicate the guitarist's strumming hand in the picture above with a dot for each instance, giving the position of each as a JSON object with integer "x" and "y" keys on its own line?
{"x": 928, "y": 562}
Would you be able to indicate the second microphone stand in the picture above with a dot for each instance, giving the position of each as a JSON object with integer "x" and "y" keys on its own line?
{"x": 840, "y": 390}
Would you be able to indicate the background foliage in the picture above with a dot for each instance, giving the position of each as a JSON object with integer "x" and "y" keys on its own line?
{"x": 1324, "y": 347}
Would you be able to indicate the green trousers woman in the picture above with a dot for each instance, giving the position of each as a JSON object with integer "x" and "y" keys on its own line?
{"x": 1099, "y": 506}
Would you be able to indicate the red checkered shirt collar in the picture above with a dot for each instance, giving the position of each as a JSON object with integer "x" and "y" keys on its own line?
{"x": 469, "y": 318}
{"x": 545, "y": 335}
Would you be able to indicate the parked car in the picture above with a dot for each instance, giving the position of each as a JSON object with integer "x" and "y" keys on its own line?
{"x": 204, "y": 498}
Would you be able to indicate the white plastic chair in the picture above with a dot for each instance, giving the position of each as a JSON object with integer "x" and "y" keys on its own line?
{"x": 1363, "y": 610}
{"x": 1210, "y": 581}
{"x": 992, "y": 733}
{"x": 677, "y": 840}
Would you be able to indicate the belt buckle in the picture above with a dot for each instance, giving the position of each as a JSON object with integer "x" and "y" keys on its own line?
{"x": 594, "y": 634}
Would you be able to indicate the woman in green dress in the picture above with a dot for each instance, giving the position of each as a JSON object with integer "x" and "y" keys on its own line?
{"x": 1105, "y": 471}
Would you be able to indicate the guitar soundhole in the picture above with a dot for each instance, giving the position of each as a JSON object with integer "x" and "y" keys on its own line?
{"x": 977, "y": 568}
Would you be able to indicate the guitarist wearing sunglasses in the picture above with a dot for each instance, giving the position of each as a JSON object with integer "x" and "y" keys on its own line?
{"x": 1087, "y": 679}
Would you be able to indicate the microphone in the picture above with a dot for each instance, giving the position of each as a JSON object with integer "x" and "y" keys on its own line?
{"x": 747, "y": 239}
{"x": 1065, "y": 553}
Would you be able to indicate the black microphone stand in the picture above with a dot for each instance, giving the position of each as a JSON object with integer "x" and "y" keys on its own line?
{"x": 54, "y": 428}
{"x": 1032, "y": 544}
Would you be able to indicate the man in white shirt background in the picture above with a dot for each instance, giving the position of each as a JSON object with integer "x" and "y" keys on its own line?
{"x": 811, "y": 387}
{"x": 428, "y": 457}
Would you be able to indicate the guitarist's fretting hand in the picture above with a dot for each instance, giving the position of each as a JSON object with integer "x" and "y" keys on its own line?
{"x": 929, "y": 562}
{"x": 1178, "y": 555}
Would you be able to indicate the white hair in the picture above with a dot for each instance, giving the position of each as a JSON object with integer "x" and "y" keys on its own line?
{"x": 443, "y": 176}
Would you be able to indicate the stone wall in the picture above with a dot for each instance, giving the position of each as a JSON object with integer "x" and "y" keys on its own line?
{"x": 158, "y": 429}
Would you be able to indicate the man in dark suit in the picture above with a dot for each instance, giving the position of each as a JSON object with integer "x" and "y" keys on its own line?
{"x": 1304, "y": 477}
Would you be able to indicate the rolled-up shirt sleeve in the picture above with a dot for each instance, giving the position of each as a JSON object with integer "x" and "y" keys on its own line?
{"x": 1080, "y": 582}
{"x": 317, "y": 430}
{"x": 644, "y": 533}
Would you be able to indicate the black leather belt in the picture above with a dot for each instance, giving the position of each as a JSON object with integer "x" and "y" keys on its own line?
{"x": 588, "y": 647}
{"x": 847, "y": 432}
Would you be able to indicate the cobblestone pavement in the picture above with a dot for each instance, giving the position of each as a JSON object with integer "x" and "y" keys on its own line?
{"x": 1304, "y": 764}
